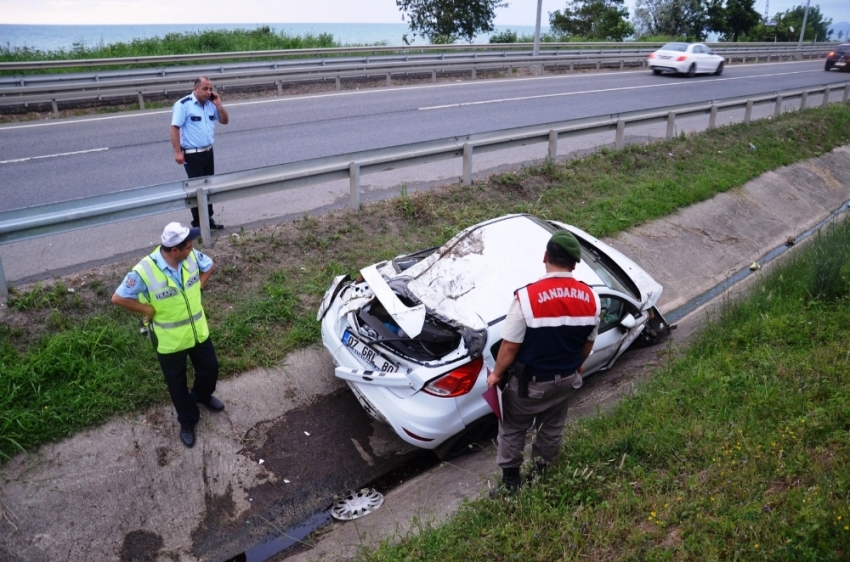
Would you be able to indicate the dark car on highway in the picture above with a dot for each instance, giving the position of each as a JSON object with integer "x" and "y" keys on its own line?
{"x": 838, "y": 58}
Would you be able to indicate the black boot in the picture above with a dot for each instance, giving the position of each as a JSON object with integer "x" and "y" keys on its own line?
{"x": 511, "y": 482}
{"x": 536, "y": 473}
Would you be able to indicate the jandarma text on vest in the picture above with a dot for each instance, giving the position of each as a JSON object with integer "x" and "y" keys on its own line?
{"x": 561, "y": 292}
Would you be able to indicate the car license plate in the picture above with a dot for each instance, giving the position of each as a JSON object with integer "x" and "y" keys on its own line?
{"x": 367, "y": 353}
{"x": 840, "y": 63}
{"x": 665, "y": 57}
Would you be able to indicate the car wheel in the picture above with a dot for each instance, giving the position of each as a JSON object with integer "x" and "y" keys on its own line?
{"x": 692, "y": 71}
{"x": 657, "y": 71}
{"x": 719, "y": 70}
{"x": 827, "y": 66}
{"x": 467, "y": 440}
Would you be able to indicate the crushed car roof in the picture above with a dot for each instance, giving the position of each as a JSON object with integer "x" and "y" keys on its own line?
{"x": 472, "y": 277}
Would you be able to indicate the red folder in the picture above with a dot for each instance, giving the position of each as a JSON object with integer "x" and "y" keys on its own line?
{"x": 493, "y": 397}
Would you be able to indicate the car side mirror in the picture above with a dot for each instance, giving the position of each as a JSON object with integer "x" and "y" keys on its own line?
{"x": 628, "y": 321}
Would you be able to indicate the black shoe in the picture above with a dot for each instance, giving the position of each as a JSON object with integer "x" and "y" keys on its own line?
{"x": 511, "y": 483}
{"x": 536, "y": 473}
{"x": 213, "y": 404}
{"x": 215, "y": 226}
{"x": 195, "y": 224}
{"x": 187, "y": 436}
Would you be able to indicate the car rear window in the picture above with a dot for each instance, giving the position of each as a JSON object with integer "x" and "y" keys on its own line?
{"x": 675, "y": 47}
{"x": 842, "y": 49}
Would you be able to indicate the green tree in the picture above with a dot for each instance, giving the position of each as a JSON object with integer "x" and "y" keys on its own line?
{"x": 445, "y": 21}
{"x": 734, "y": 19}
{"x": 603, "y": 20}
{"x": 675, "y": 18}
{"x": 816, "y": 26}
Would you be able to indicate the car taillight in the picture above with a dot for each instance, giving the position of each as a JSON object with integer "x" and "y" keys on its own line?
{"x": 680, "y": 58}
{"x": 831, "y": 53}
{"x": 652, "y": 55}
{"x": 457, "y": 382}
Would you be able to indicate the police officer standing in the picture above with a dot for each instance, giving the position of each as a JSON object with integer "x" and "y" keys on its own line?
{"x": 193, "y": 120}
{"x": 165, "y": 287}
{"x": 548, "y": 333}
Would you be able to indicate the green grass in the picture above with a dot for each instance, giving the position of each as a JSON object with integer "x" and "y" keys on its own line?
{"x": 262, "y": 38}
{"x": 71, "y": 360}
{"x": 738, "y": 450}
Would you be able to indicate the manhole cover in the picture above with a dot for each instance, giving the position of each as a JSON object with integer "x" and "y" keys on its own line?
{"x": 357, "y": 504}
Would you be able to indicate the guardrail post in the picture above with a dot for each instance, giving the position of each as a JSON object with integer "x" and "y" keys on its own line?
{"x": 846, "y": 93}
{"x": 354, "y": 182}
{"x": 4, "y": 288}
{"x": 141, "y": 101}
{"x": 621, "y": 64}
{"x": 748, "y": 113}
{"x": 804, "y": 100}
{"x": 467, "y": 164}
{"x": 474, "y": 74}
{"x": 744, "y": 59}
{"x": 389, "y": 79}
{"x": 571, "y": 68}
{"x": 598, "y": 65}
{"x": 553, "y": 144}
{"x": 712, "y": 117}
{"x": 279, "y": 84}
{"x": 825, "y": 96}
{"x": 777, "y": 109}
{"x": 55, "y": 108}
{"x": 338, "y": 85}
{"x": 621, "y": 130}
{"x": 204, "y": 216}
{"x": 433, "y": 76}
{"x": 671, "y": 124}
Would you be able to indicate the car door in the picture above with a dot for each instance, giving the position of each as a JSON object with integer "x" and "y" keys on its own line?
{"x": 700, "y": 55}
{"x": 612, "y": 337}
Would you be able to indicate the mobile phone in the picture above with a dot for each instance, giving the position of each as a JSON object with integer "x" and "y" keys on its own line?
{"x": 212, "y": 96}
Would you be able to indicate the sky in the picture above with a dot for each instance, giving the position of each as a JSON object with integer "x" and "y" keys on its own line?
{"x": 103, "y": 12}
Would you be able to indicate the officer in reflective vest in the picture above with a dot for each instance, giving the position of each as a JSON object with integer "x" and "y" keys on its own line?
{"x": 546, "y": 336}
{"x": 165, "y": 287}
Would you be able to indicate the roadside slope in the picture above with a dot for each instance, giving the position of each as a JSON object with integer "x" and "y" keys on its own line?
{"x": 126, "y": 489}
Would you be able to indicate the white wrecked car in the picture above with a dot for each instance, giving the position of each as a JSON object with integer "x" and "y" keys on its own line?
{"x": 412, "y": 337}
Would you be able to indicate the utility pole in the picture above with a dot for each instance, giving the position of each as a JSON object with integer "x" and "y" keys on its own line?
{"x": 803, "y": 31}
{"x": 537, "y": 29}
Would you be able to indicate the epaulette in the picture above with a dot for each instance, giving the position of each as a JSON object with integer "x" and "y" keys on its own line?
{"x": 187, "y": 98}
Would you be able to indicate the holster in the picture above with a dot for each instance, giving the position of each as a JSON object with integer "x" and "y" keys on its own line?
{"x": 518, "y": 370}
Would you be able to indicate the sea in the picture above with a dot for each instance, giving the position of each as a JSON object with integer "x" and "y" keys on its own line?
{"x": 65, "y": 37}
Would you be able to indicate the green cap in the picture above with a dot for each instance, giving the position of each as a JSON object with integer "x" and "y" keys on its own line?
{"x": 568, "y": 242}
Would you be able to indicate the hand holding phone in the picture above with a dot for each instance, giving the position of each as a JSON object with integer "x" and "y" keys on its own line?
{"x": 213, "y": 96}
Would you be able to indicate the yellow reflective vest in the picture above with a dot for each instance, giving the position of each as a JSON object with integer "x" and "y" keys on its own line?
{"x": 179, "y": 322}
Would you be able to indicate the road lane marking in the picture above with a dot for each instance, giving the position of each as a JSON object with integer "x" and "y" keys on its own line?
{"x": 584, "y": 92}
{"x": 53, "y": 155}
{"x": 371, "y": 91}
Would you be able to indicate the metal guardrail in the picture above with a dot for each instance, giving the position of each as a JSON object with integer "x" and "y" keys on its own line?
{"x": 122, "y": 84}
{"x": 343, "y": 51}
{"x": 56, "y": 218}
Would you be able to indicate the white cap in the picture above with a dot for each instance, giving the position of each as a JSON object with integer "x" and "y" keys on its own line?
{"x": 175, "y": 233}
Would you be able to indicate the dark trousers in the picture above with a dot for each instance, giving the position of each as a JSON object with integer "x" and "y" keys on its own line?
{"x": 197, "y": 165}
{"x": 206, "y": 374}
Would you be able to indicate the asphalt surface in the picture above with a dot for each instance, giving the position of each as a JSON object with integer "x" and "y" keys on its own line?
{"x": 67, "y": 159}
{"x": 292, "y": 436}
{"x": 278, "y": 130}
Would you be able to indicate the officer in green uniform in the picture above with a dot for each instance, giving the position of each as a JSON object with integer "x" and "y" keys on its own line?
{"x": 165, "y": 287}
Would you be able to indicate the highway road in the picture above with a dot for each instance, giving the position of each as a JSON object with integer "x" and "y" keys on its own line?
{"x": 66, "y": 159}
{"x": 58, "y": 160}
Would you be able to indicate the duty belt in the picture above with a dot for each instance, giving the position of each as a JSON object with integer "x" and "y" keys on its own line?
{"x": 194, "y": 150}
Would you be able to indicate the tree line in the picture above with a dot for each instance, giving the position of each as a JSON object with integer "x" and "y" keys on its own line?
{"x": 446, "y": 21}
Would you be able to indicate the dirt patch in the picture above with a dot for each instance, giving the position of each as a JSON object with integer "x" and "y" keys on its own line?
{"x": 141, "y": 546}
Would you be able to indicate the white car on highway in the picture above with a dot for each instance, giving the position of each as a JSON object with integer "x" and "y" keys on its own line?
{"x": 413, "y": 336}
{"x": 686, "y": 58}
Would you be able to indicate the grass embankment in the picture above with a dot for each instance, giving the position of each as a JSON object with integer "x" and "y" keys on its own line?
{"x": 262, "y": 38}
{"x": 72, "y": 360}
{"x": 739, "y": 450}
